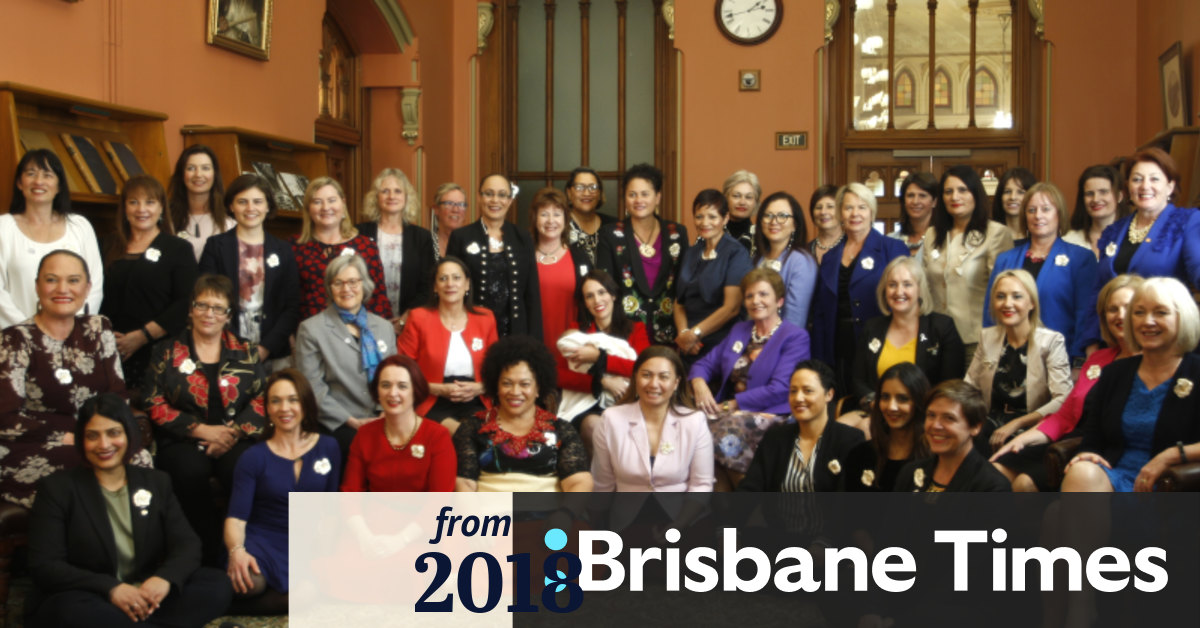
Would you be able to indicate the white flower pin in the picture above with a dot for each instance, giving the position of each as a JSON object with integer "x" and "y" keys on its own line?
{"x": 675, "y": 235}
{"x": 153, "y": 254}
{"x": 141, "y": 499}
{"x": 874, "y": 345}
{"x": 774, "y": 265}
{"x": 868, "y": 477}
{"x": 273, "y": 261}
{"x": 835, "y": 467}
{"x": 183, "y": 234}
{"x": 919, "y": 477}
{"x": 1111, "y": 249}
{"x": 1183, "y": 387}
{"x": 381, "y": 345}
{"x": 574, "y": 237}
{"x": 551, "y": 439}
{"x": 923, "y": 338}
{"x": 619, "y": 233}
{"x": 582, "y": 269}
{"x": 477, "y": 344}
{"x": 935, "y": 253}
{"x": 418, "y": 451}
{"x": 868, "y": 263}
{"x": 63, "y": 376}
{"x": 187, "y": 367}
{"x": 665, "y": 448}
{"x": 1061, "y": 260}
{"x": 1093, "y": 371}
{"x": 346, "y": 251}
{"x": 674, "y": 250}
{"x": 322, "y": 466}
{"x": 473, "y": 248}
{"x": 737, "y": 346}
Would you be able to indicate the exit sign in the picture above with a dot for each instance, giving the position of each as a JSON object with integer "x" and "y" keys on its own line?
{"x": 791, "y": 140}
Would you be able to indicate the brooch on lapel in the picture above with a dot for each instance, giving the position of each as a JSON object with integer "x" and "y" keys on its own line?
{"x": 868, "y": 263}
{"x": 1183, "y": 387}
{"x": 919, "y": 477}
{"x": 187, "y": 367}
{"x": 273, "y": 260}
{"x": 1061, "y": 260}
{"x": 323, "y": 466}
{"x": 141, "y": 499}
{"x": 1111, "y": 249}
{"x": 835, "y": 467}
{"x": 874, "y": 345}
{"x": 418, "y": 451}
{"x": 152, "y": 254}
{"x": 868, "y": 477}
{"x": 63, "y": 376}
{"x": 1093, "y": 371}
{"x": 737, "y": 346}
{"x": 473, "y": 248}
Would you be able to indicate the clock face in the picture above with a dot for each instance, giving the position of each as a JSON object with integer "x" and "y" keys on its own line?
{"x": 749, "y": 21}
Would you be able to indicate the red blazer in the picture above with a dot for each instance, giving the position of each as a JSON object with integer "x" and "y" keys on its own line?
{"x": 426, "y": 340}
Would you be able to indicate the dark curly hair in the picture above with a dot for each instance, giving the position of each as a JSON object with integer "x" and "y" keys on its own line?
{"x": 512, "y": 350}
{"x": 109, "y": 406}
{"x": 644, "y": 171}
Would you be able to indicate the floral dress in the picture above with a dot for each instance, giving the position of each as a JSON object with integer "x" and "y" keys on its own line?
{"x": 313, "y": 258}
{"x": 43, "y": 383}
{"x": 551, "y": 448}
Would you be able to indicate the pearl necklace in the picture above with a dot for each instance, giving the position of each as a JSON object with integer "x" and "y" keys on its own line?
{"x": 835, "y": 243}
{"x": 756, "y": 339}
{"x": 1138, "y": 234}
{"x": 551, "y": 257}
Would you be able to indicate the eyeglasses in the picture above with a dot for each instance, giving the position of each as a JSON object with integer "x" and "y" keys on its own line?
{"x": 776, "y": 217}
{"x": 504, "y": 196}
{"x": 453, "y": 205}
{"x": 585, "y": 187}
{"x": 353, "y": 284}
{"x": 204, "y": 308}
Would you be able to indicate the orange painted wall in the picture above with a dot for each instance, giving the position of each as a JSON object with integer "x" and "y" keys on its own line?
{"x": 1159, "y": 24}
{"x": 724, "y": 129}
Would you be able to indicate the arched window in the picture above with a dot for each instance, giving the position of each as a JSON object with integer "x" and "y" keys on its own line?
{"x": 941, "y": 89}
{"x": 985, "y": 88}
{"x": 904, "y": 90}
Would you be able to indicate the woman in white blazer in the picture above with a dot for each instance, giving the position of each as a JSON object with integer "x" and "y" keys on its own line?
{"x": 1021, "y": 368}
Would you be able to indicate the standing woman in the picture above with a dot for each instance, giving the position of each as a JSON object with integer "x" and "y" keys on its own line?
{"x": 656, "y": 441}
{"x": 1006, "y": 206}
{"x": 823, "y": 207}
{"x": 49, "y": 365}
{"x": 849, "y": 275}
{"x": 1171, "y": 235}
{"x": 1099, "y": 202}
{"x": 960, "y": 251}
{"x": 897, "y": 434}
{"x": 804, "y": 455}
{"x": 294, "y": 458}
{"x": 1065, "y": 273}
{"x": 262, "y": 268}
{"x": 501, "y": 261}
{"x": 405, "y": 249}
{"x": 326, "y": 233}
{"x": 560, "y": 267}
{"x": 401, "y": 452}
{"x": 742, "y": 193}
{"x": 39, "y": 220}
{"x": 920, "y": 193}
{"x": 643, "y": 254}
{"x": 585, "y": 196}
{"x": 449, "y": 213}
{"x": 781, "y": 244}
{"x": 954, "y": 414}
{"x": 197, "y": 206}
{"x": 149, "y": 278}
{"x": 709, "y": 294}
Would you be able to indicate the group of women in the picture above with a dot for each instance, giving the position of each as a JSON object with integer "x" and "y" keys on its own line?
{"x": 588, "y": 354}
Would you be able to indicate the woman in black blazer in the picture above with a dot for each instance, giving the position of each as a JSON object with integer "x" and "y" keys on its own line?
{"x": 268, "y": 315}
{"x": 954, "y": 414}
{"x": 824, "y": 443}
{"x": 108, "y": 542}
{"x": 500, "y": 258}
{"x": 389, "y": 209}
{"x": 909, "y": 331}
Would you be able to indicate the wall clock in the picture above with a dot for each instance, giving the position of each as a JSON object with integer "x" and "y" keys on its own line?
{"x": 748, "y": 22}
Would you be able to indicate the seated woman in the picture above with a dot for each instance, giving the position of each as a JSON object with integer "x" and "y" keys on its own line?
{"x": 749, "y": 370}
{"x": 599, "y": 356}
{"x": 708, "y": 297}
{"x": 908, "y": 331}
{"x": 49, "y": 365}
{"x": 448, "y": 339}
{"x": 294, "y": 458}
{"x": 405, "y": 249}
{"x": 339, "y": 350}
{"x": 80, "y": 516}
{"x": 954, "y": 414}
{"x": 517, "y": 445}
{"x": 149, "y": 277}
{"x": 204, "y": 395}
{"x": 401, "y": 452}
{"x": 781, "y": 245}
{"x": 1112, "y": 308}
{"x": 1020, "y": 367}
{"x": 655, "y": 441}
{"x": 897, "y": 437}
{"x": 1141, "y": 417}
{"x": 326, "y": 232}
{"x": 804, "y": 455}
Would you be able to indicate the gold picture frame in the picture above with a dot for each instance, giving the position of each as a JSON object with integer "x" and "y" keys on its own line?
{"x": 1174, "y": 86}
{"x": 243, "y": 26}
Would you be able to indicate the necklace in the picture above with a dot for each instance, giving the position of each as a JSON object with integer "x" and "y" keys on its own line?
{"x": 709, "y": 255}
{"x": 836, "y": 242}
{"x": 405, "y": 441}
{"x": 758, "y": 340}
{"x": 457, "y": 324}
{"x": 644, "y": 246}
{"x": 551, "y": 257}
{"x": 1138, "y": 234}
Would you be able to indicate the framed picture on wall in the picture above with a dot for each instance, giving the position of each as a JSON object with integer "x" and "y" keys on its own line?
{"x": 242, "y": 26}
{"x": 1174, "y": 87}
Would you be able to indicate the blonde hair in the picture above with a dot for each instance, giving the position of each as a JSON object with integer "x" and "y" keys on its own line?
{"x": 924, "y": 304}
{"x": 1030, "y": 285}
{"x": 1171, "y": 292}
{"x": 1119, "y": 282}
{"x": 862, "y": 192}
{"x": 1054, "y": 195}
{"x": 306, "y": 229}
{"x": 743, "y": 176}
{"x": 370, "y": 211}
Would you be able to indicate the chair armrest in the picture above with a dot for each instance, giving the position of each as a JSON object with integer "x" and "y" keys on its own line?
{"x": 1181, "y": 477}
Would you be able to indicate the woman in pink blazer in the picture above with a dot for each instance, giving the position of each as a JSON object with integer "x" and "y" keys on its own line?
{"x": 655, "y": 441}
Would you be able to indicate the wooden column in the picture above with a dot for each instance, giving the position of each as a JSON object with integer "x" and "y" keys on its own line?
{"x": 891, "y": 84}
{"x": 932, "y": 4}
{"x": 584, "y": 81}
{"x": 549, "y": 165}
{"x": 973, "y": 5}
{"x": 621, "y": 6}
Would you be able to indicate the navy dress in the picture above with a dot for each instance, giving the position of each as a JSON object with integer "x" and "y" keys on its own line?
{"x": 260, "y": 498}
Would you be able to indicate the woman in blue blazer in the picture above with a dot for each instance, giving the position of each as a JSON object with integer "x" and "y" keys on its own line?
{"x": 849, "y": 273}
{"x": 267, "y": 315}
{"x": 1157, "y": 239}
{"x": 1065, "y": 272}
